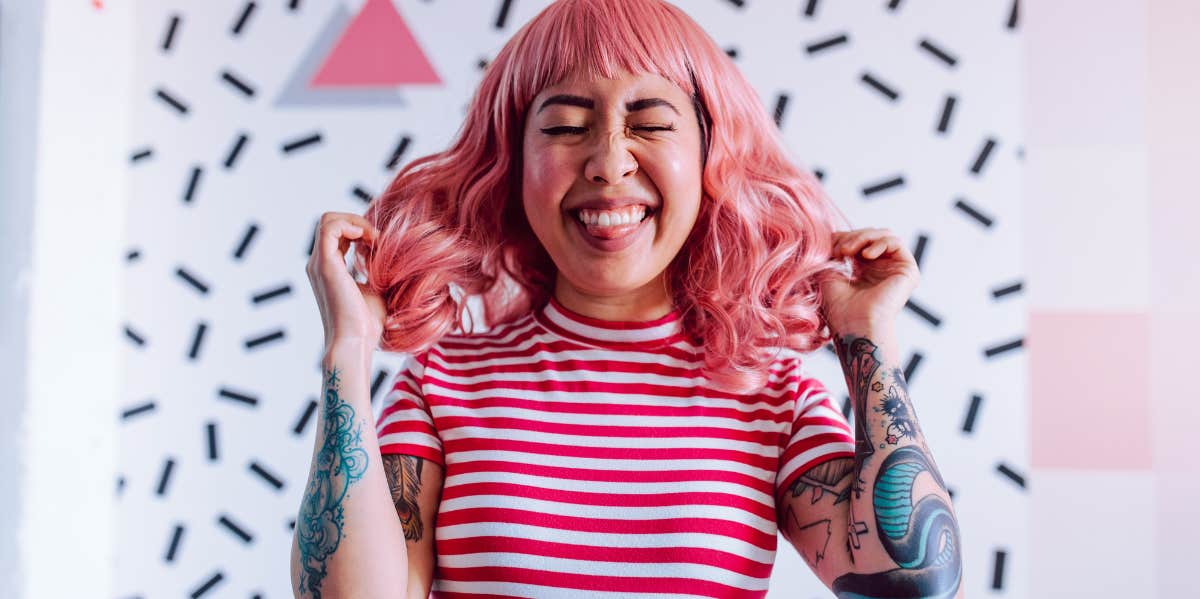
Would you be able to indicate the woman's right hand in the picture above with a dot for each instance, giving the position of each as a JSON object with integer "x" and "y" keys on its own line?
{"x": 349, "y": 311}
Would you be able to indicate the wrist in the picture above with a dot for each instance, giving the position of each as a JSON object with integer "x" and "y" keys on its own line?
{"x": 866, "y": 327}
{"x": 346, "y": 352}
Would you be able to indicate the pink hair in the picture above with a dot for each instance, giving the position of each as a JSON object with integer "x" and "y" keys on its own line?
{"x": 747, "y": 281}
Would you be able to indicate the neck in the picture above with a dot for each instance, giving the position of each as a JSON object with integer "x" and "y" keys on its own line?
{"x": 649, "y": 302}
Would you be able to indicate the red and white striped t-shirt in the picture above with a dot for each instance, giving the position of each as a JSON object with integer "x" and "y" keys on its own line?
{"x": 591, "y": 455}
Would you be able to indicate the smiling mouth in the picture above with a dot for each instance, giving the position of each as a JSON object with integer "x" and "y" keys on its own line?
{"x": 614, "y": 229}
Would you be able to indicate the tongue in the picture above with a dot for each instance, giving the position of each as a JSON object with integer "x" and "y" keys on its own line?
{"x": 611, "y": 231}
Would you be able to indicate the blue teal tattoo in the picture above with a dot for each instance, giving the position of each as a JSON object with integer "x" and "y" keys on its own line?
{"x": 921, "y": 537}
{"x": 340, "y": 462}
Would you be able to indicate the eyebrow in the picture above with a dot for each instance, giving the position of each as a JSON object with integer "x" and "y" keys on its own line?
{"x": 582, "y": 102}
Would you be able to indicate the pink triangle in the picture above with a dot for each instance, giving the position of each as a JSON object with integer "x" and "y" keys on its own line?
{"x": 376, "y": 49}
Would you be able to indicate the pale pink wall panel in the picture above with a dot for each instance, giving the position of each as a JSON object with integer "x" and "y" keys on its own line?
{"x": 1090, "y": 380}
{"x": 1084, "y": 71}
{"x": 1173, "y": 144}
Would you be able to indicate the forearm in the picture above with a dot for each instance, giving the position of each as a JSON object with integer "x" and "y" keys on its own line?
{"x": 902, "y": 532}
{"x": 348, "y": 540}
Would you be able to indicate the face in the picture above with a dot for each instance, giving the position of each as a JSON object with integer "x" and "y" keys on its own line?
{"x": 611, "y": 180}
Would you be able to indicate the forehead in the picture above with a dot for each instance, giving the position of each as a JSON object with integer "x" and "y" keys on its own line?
{"x": 622, "y": 87}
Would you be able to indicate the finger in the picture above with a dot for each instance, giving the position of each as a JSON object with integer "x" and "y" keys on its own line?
{"x": 335, "y": 238}
{"x": 859, "y": 240}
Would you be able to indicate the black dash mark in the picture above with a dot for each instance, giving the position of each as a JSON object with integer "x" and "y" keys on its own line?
{"x": 924, "y": 313}
{"x": 232, "y": 527}
{"x": 173, "y": 545}
{"x": 245, "y": 243}
{"x": 233, "y": 80}
{"x": 171, "y": 101}
{"x": 810, "y": 8}
{"x": 1012, "y": 16}
{"x": 133, "y": 254}
{"x": 377, "y": 382}
{"x": 164, "y": 478}
{"x": 293, "y": 5}
{"x": 139, "y": 409}
{"x": 197, "y": 340}
{"x": 998, "y": 560}
{"x": 973, "y": 212}
{"x": 947, "y": 112}
{"x": 781, "y": 103}
{"x": 1006, "y": 290}
{"x": 191, "y": 279}
{"x": 304, "y": 417}
{"x": 292, "y": 146}
{"x": 141, "y": 155}
{"x": 482, "y": 64}
{"x": 1010, "y": 474}
{"x": 291, "y": 525}
{"x": 738, "y": 3}
{"x": 996, "y": 350}
{"x": 263, "y": 339}
{"x": 503, "y": 14}
{"x": 919, "y": 251}
{"x": 837, "y": 40}
{"x": 266, "y": 475}
{"x": 893, "y": 5}
{"x": 271, "y": 294}
{"x": 911, "y": 367}
{"x": 245, "y": 16}
{"x": 134, "y": 336}
{"x": 207, "y": 585}
{"x": 189, "y": 192}
{"x": 972, "y": 412}
{"x": 981, "y": 160}
{"x": 398, "y": 153}
{"x": 820, "y": 174}
{"x": 234, "y": 395}
{"x": 210, "y": 434}
{"x": 361, "y": 194}
{"x": 880, "y": 87}
{"x": 120, "y": 485}
{"x": 169, "y": 37}
{"x": 312, "y": 240}
{"x": 731, "y": 52}
{"x": 882, "y": 186}
{"x": 847, "y": 407}
{"x": 238, "y": 144}
{"x": 938, "y": 53}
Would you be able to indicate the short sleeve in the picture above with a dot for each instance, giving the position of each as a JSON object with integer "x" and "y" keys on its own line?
{"x": 405, "y": 425}
{"x": 819, "y": 431}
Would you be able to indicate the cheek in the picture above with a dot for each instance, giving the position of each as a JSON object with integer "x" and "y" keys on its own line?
{"x": 545, "y": 175}
{"x": 678, "y": 178}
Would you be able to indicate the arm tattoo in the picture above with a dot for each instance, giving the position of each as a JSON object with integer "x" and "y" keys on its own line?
{"x": 919, "y": 534}
{"x": 404, "y": 478}
{"x": 340, "y": 462}
{"x": 829, "y": 478}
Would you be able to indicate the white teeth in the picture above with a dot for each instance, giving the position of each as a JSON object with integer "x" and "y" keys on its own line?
{"x": 612, "y": 218}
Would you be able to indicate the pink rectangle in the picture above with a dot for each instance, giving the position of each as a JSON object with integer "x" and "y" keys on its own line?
{"x": 1090, "y": 387}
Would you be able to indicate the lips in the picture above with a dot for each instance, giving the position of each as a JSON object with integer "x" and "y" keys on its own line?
{"x": 615, "y": 235}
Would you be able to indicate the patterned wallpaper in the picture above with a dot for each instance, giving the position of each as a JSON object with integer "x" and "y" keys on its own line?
{"x": 253, "y": 118}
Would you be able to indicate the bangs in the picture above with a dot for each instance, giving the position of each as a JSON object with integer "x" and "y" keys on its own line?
{"x": 600, "y": 38}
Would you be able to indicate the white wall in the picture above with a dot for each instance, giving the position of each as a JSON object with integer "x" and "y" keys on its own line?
{"x": 64, "y": 110}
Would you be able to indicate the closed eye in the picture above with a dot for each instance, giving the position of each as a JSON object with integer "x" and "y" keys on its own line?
{"x": 579, "y": 130}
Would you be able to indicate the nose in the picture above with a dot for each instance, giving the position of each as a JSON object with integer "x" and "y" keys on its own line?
{"x": 610, "y": 160}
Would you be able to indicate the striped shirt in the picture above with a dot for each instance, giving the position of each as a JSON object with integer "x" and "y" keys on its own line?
{"x": 591, "y": 455}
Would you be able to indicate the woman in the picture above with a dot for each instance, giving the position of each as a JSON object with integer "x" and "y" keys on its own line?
{"x": 636, "y": 418}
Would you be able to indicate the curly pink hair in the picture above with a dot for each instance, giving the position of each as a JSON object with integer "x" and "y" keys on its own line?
{"x": 747, "y": 280}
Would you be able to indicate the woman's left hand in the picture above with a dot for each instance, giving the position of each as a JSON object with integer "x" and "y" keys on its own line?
{"x": 886, "y": 272}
